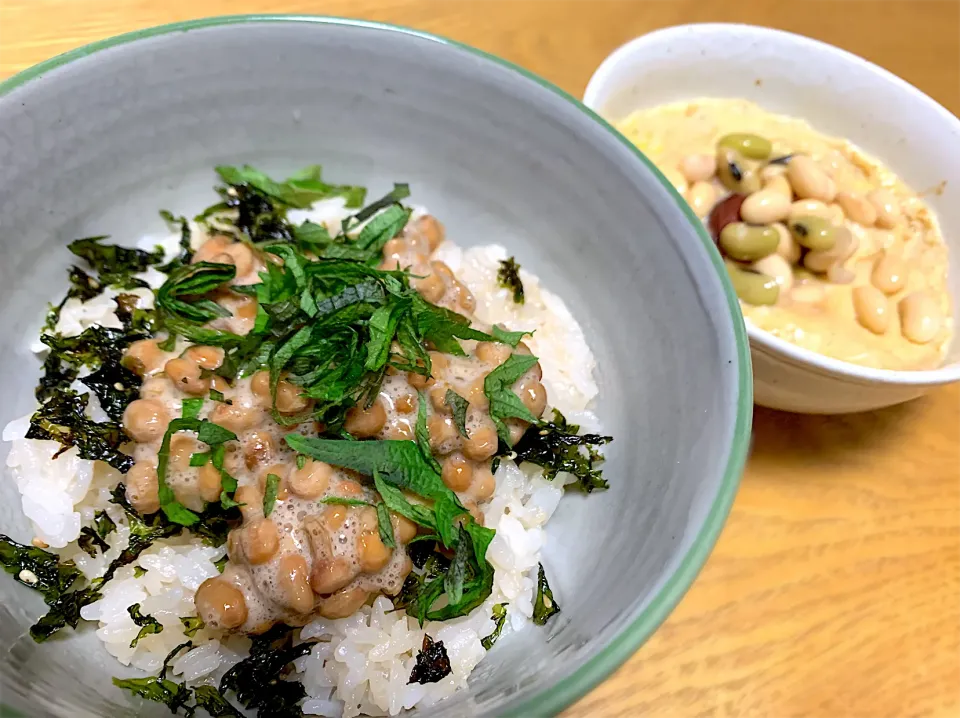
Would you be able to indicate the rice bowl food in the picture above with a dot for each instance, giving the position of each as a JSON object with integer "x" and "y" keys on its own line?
{"x": 300, "y": 438}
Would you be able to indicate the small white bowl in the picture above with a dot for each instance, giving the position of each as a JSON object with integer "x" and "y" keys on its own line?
{"x": 840, "y": 94}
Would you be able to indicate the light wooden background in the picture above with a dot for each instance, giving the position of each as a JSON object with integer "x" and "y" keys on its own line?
{"x": 835, "y": 587}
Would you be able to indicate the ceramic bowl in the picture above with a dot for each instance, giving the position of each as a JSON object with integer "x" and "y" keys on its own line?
{"x": 840, "y": 94}
{"x": 95, "y": 141}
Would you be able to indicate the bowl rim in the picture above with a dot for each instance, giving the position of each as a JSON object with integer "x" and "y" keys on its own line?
{"x": 598, "y": 85}
{"x": 553, "y": 699}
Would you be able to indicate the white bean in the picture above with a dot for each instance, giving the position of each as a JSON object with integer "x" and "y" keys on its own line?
{"x": 920, "y": 317}
{"x": 701, "y": 197}
{"x": 777, "y": 267}
{"x": 888, "y": 211}
{"x": 857, "y": 208}
{"x": 871, "y": 309}
{"x": 698, "y": 168}
{"x": 809, "y": 181}
{"x": 765, "y": 207}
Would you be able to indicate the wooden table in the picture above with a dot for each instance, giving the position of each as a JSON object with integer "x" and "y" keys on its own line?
{"x": 835, "y": 587}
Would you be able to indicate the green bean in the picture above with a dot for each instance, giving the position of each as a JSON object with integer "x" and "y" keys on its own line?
{"x": 753, "y": 146}
{"x": 753, "y": 287}
{"x": 748, "y": 243}
{"x": 814, "y": 233}
{"x": 734, "y": 174}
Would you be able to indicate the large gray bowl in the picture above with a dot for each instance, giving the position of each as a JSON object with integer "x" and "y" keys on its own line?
{"x": 97, "y": 140}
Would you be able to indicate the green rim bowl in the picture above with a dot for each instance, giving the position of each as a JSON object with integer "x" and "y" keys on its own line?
{"x": 97, "y": 140}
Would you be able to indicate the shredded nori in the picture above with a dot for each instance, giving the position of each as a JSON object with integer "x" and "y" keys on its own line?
{"x": 433, "y": 663}
{"x": 509, "y": 278}
{"x": 545, "y": 606}
{"x": 557, "y": 446}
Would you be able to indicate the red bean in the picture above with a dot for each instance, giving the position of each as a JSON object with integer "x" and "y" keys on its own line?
{"x": 723, "y": 213}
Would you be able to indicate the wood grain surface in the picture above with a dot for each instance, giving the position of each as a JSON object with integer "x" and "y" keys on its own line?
{"x": 835, "y": 587}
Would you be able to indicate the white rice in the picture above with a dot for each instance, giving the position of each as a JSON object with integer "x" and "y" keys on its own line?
{"x": 360, "y": 664}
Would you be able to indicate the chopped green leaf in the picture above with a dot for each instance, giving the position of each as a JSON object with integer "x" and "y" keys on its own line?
{"x": 545, "y": 606}
{"x": 458, "y": 405}
{"x": 509, "y": 278}
{"x": 190, "y": 408}
{"x": 384, "y": 526}
{"x": 148, "y": 624}
{"x": 199, "y": 458}
{"x": 453, "y": 581}
{"x": 506, "y": 337}
{"x": 220, "y": 563}
{"x": 423, "y": 436}
{"x": 207, "y": 432}
{"x": 139, "y": 571}
{"x": 270, "y": 493}
{"x": 504, "y": 403}
{"x": 499, "y": 617}
{"x": 341, "y": 501}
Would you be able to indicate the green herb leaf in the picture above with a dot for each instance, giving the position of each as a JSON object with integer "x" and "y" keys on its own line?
{"x": 139, "y": 571}
{"x": 384, "y": 526}
{"x": 458, "y": 405}
{"x": 270, "y": 493}
{"x": 453, "y": 581}
{"x": 200, "y": 458}
{"x": 216, "y": 395}
{"x": 341, "y": 501}
{"x": 499, "y": 617}
{"x": 148, "y": 624}
{"x": 400, "y": 463}
{"x": 207, "y": 432}
{"x": 423, "y": 436}
{"x": 383, "y": 228}
{"x": 509, "y": 278}
{"x": 545, "y": 606}
{"x": 506, "y": 337}
{"x": 214, "y": 434}
{"x": 221, "y": 563}
{"x": 394, "y": 500}
{"x": 504, "y": 403}
{"x": 191, "y": 624}
{"x": 190, "y": 408}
